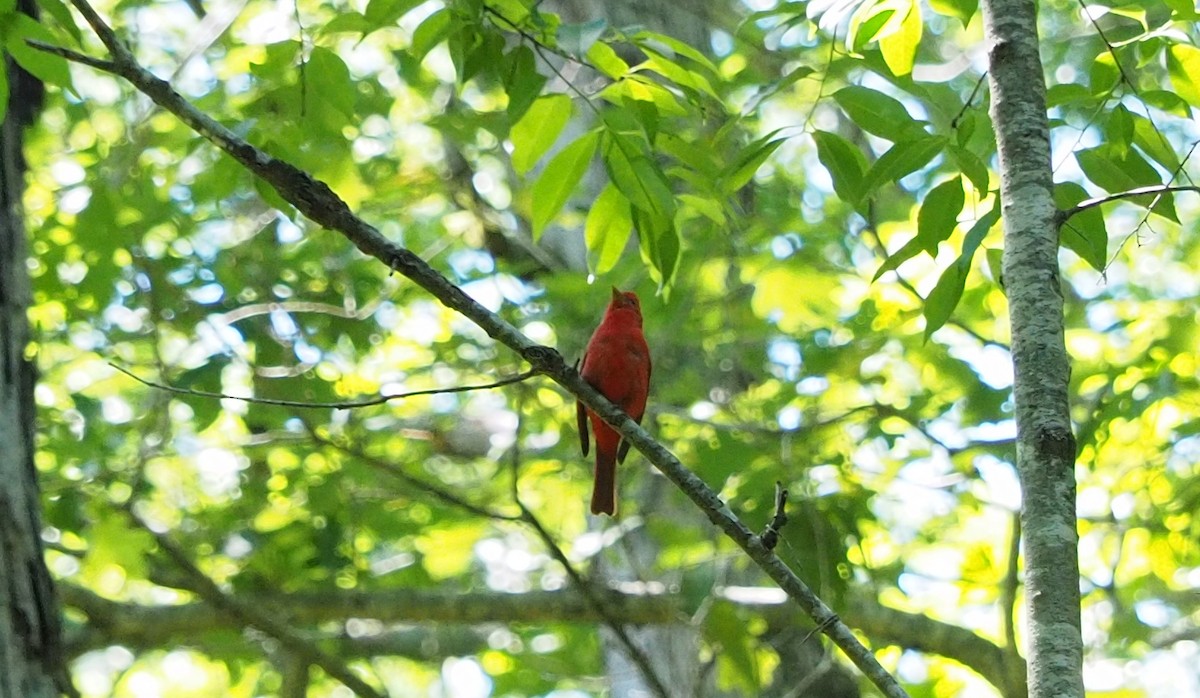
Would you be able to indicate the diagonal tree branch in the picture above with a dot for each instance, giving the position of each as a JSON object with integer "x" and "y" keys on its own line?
{"x": 319, "y": 203}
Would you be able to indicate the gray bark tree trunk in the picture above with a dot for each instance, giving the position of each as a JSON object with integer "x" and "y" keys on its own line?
{"x": 31, "y": 658}
{"x": 1045, "y": 444}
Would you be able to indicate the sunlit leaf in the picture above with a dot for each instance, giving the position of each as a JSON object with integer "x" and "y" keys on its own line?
{"x": 604, "y": 58}
{"x": 607, "y": 228}
{"x": 899, "y": 47}
{"x": 537, "y": 131}
{"x": 1183, "y": 64}
{"x": 962, "y": 10}
{"x": 558, "y": 180}
{"x": 431, "y": 32}
{"x": 632, "y": 169}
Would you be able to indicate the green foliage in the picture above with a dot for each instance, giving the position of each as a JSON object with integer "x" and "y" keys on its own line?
{"x": 809, "y": 207}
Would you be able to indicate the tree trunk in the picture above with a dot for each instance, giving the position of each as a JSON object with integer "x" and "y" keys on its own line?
{"x": 1045, "y": 445}
{"x": 31, "y": 659}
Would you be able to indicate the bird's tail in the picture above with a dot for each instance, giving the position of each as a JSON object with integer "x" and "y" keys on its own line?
{"x": 604, "y": 491}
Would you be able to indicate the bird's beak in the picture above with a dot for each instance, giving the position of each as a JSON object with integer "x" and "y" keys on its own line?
{"x": 617, "y": 296}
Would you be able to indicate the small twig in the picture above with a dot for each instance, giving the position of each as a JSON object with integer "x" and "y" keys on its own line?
{"x": 969, "y": 102}
{"x": 344, "y": 405}
{"x": 770, "y": 534}
{"x": 248, "y": 615}
{"x": 74, "y": 56}
{"x": 1063, "y": 216}
{"x": 413, "y": 481}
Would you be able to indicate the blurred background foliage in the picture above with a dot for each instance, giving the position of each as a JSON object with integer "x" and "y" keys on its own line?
{"x": 775, "y": 159}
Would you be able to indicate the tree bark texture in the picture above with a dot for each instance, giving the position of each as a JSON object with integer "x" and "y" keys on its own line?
{"x": 1045, "y": 445}
{"x": 31, "y": 658}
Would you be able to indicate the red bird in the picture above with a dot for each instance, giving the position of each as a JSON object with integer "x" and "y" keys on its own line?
{"x": 616, "y": 363}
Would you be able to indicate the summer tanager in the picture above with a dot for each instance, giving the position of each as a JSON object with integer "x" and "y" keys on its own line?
{"x": 617, "y": 363}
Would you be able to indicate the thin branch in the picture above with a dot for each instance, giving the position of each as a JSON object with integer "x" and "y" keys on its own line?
{"x": 635, "y": 653}
{"x": 413, "y": 481}
{"x": 253, "y": 615}
{"x": 74, "y": 56}
{"x": 970, "y": 100}
{"x": 319, "y": 203}
{"x": 341, "y": 405}
{"x": 1065, "y": 215}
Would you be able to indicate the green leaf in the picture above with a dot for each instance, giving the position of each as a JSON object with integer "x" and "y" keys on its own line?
{"x": 385, "y": 13}
{"x": 899, "y": 47}
{"x": 1118, "y": 130}
{"x": 944, "y": 297}
{"x": 558, "y": 181}
{"x": 1084, "y": 233}
{"x": 676, "y": 73}
{"x": 845, "y": 163}
{"x": 878, "y": 114}
{"x": 939, "y": 214}
{"x": 638, "y": 88}
{"x": 62, "y": 14}
{"x": 658, "y": 241}
{"x": 866, "y": 23}
{"x": 43, "y": 66}
{"x": 330, "y": 80}
{"x": 431, "y": 32}
{"x": 962, "y": 10}
{"x": 607, "y": 229}
{"x": 523, "y": 82}
{"x": 606, "y": 60}
{"x": 578, "y": 39}
{"x": 631, "y": 167}
{"x": 1154, "y": 143}
{"x": 653, "y": 41}
{"x": 347, "y": 23}
{"x": 705, "y": 206}
{"x": 750, "y": 158}
{"x": 1067, "y": 93}
{"x": 1183, "y": 10}
{"x": 1183, "y": 65}
{"x": 902, "y": 159}
{"x": 995, "y": 263}
{"x": 907, "y": 251}
{"x": 1117, "y": 172}
{"x": 537, "y": 131}
{"x": 1167, "y": 101}
{"x": 971, "y": 166}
